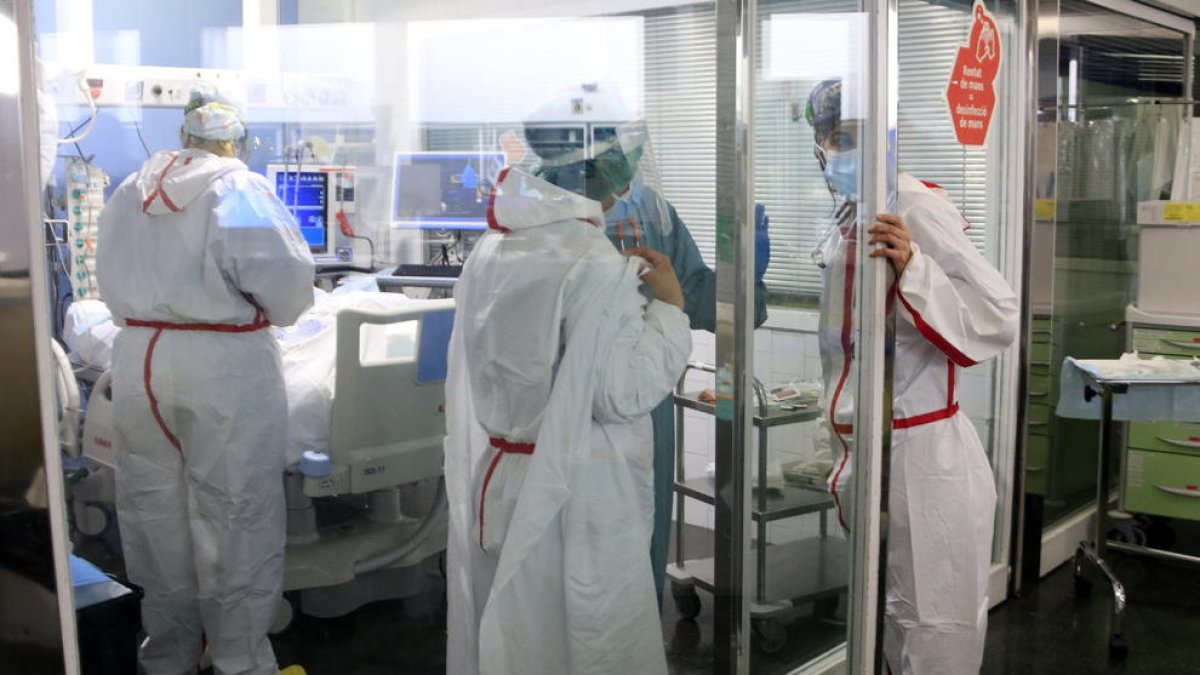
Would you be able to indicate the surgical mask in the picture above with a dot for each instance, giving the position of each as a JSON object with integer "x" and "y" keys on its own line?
{"x": 841, "y": 170}
{"x": 624, "y": 205}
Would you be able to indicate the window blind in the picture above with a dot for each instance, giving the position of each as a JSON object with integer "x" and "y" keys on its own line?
{"x": 681, "y": 112}
{"x": 680, "y": 109}
{"x": 681, "y": 100}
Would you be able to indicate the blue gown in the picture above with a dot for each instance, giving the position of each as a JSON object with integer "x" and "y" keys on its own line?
{"x": 699, "y": 284}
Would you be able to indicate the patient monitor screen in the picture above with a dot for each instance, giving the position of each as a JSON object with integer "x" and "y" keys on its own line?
{"x": 443, "y": 190}
{"x": 304, "y": 193}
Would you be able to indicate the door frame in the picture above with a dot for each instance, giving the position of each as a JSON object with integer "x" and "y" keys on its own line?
{"x": 24, "y": 228}
{"x": 736, "y": 27}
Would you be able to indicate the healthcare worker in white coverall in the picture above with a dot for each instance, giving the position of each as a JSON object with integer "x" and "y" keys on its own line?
{"x": 953, "y": 310}
{"x": 556, "y": 360}
{"x": 618, "y": 169}
{"x": 196, "y": 258}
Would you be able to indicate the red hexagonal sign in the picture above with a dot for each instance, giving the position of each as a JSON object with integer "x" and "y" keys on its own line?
{"x": 971, "y": 94}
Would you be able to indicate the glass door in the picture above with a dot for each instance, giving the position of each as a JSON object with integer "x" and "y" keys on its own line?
{"x": 985, "y": 184}
{"x": 1113, "y": 111}
{"x": 808, "y": 152}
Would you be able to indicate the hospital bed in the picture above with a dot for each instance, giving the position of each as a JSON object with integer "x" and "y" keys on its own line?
{"x": 366, "y": 503}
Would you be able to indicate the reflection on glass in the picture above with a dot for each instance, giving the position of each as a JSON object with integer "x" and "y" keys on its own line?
{"x": 803, "y": 193}
{"x": 810, "y": 77}
{"x": 385, "y": 140}
{"x": 1107, "y": 138}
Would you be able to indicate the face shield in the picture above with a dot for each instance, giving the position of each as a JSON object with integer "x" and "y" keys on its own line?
{"x": 835, "y": 147}
{"x": 597, "y": 160}
{"x": 584, "y": 142}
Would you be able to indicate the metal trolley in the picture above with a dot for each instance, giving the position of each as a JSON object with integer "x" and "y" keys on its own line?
{"x": 788, "y": 576}
{"x": 1092, "y": 554}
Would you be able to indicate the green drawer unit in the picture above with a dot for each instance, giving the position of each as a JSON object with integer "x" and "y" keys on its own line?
{"x": 1040, "y": 415}
{"x": 1041, "y": 335}
{"x": 1042, "y": 387}
{"x": 1040, "y": 352}
{"x": 1177, "y": 437}
{"x": 1162, "y": 484}
{"x": 1166, "y": 341}
{"x": 1037, "y": 462}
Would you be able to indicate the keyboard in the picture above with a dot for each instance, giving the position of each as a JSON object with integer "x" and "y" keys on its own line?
{"x": 427, "y": 271}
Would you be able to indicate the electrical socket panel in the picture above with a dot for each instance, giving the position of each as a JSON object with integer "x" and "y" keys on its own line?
{"x": 140, "y": 86}
{"x": 166, "y": 93}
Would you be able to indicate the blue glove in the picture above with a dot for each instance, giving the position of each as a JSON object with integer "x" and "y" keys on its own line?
{"x": 762, "y": 242}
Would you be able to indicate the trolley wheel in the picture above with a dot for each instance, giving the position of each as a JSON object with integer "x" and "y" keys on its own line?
{"x": 687, "y": 602}
{"x": 1083, "y": 587}
{"x": 686, "y": 638}
{"x": 284, "y": 615}
{"x": 1118, "y": 648}
{"x": 770, "y": 636}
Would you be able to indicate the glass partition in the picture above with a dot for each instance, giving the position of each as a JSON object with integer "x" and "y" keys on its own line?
{"x": 815, "y": 89}
{"x": 982, "y": 183}
{"x": 386, "y": 133}
{"x": 1108, "y": 137}
{"x": 37, "y": 627}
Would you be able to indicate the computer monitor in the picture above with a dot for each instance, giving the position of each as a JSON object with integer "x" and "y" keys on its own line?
{"x": 443, "y": 190}
{"x": 306, "y": 194}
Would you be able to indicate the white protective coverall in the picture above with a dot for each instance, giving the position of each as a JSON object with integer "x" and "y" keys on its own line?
{"x": 196, "y": 256}
{"x": 555, "y": 364}
{"x": 953, "y": 310}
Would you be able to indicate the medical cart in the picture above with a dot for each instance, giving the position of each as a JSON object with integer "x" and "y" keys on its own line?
{"x": 1160, "y": 463}
{"x": 789, "y": 575}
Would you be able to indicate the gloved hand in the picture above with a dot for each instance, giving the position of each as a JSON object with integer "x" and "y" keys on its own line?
{"x": 762, "y": 242}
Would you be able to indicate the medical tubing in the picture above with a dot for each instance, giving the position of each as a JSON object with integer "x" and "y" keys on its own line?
{"x": 91, "y": 123}
{"x": 395, "y": 555}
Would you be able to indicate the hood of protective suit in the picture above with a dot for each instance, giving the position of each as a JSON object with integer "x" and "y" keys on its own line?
{"x": 171, "y": 180}
{"x": 521, "y": 202}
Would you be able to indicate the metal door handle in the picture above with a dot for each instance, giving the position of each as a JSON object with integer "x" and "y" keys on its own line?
{"x": 1182, "y": 443}
{"x": 1181, "y": 492}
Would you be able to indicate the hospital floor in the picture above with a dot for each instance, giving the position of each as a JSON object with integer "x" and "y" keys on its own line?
{"x": 1048, "y": 630}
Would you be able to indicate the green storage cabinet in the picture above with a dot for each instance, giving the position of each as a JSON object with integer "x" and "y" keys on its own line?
{"x": 1177, "y": 437}
{"x": 1037, "y": 461}
{"x": 1162, "y": 463}
{"x": 1162, "y": 484}
{"x": 1167, "y": 342}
